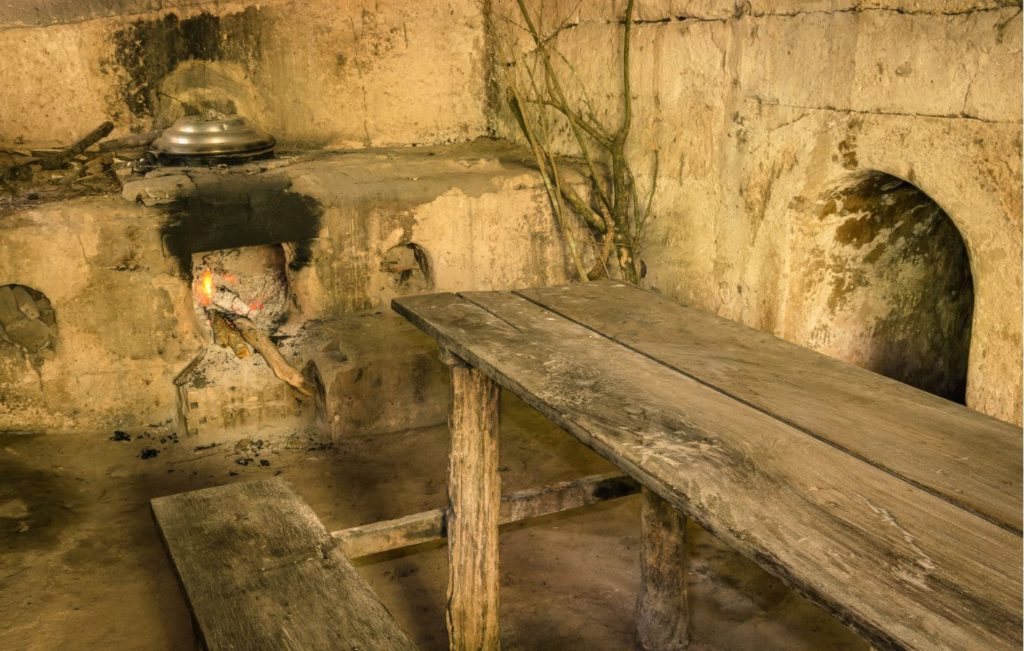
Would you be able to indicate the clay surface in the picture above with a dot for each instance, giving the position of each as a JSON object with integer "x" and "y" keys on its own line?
{"x": 81, "y": 504}
{"x": 118, "y": 274}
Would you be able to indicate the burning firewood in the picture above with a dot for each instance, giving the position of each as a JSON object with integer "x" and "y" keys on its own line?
{"x": 261, "y": 342}
{"x": 244, "y": 295}
{"x": 226, "y": 335}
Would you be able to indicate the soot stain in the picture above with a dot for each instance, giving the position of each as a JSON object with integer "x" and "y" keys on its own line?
{"x": 36, "y": 506}
{"x": 147, "y": 50}
{"x": 232, "y": 211}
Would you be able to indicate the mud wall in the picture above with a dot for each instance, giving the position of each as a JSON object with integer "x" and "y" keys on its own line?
{"x": 125, "y": 314}
{"x": 759, "y": 110}
{"x": 335, "y": 73}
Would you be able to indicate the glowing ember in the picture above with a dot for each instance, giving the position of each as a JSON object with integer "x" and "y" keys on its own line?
{"x": 206, "y": 297}
{"x": 248, "y": 282}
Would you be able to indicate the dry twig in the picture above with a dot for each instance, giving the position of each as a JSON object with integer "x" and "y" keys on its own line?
{"x": 618, "y": 217}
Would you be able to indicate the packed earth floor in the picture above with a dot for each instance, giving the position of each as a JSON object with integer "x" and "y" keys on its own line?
{"x": 83, "y": 566}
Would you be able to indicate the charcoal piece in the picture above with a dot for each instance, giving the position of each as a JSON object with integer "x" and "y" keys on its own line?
{"x": 121, "y": 436}
{"x": 149, "y": 453}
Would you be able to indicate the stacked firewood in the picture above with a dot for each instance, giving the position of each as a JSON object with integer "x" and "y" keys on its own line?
{"x": 88, "y": 165}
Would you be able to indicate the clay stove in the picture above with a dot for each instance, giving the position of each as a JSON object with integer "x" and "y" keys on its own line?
{"x": 241, "y": 379}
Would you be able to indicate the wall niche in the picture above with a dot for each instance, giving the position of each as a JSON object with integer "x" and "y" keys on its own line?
{"x": 886, "y": 284}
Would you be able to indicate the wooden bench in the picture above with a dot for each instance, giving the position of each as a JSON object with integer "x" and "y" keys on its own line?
{"x": 261, "y": 572}
{"x": 895, "y": 510}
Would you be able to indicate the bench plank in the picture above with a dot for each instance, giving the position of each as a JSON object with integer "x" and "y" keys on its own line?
{"x": 261, "y": 572}
{"x": 905, "y": 568}
{"x": 432, "y": 526}
{"x": 969, "y": 458}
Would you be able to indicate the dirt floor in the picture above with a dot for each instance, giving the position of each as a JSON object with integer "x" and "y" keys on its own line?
{"x": 82, "y": 566}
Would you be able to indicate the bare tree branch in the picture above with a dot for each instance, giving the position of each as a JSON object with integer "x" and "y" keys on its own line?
{"x": 617, "y": 216}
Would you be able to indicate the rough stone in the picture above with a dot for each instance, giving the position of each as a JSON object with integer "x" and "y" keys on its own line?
{"x": 222, "y": 397}
{"x": 757, "y": 110}
{"x": 758, "y": 113}
{"x": 344, "y": 73}
{"x": 377, "y": 373}
{"x": 31, "y": 334}
{"x": 888, "y": 285}
{"x": 26, "y": 304}
{"x": 128, "y": 322}
{"x": 158, "y": 190}
{"x": 9, "y": 311}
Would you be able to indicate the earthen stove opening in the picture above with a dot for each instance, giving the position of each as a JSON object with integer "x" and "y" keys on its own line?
{"x": 245, "y": 283}
{"x": 241, "y": 299}
{"x": 888, "y": 283}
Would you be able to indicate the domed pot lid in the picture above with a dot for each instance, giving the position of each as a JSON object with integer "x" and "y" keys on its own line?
{"x": 213, "y": 136}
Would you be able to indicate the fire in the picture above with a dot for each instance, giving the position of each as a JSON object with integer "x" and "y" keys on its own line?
{"x": 206, "y": 284}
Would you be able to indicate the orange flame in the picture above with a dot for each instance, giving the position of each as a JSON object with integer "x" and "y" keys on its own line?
{"x": 207, "y": 287}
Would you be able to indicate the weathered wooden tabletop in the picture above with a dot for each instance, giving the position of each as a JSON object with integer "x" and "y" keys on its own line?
{"x": 897, "y": 511}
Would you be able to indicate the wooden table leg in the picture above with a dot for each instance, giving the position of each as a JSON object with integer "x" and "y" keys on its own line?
{"x": 663, "y": 616}
{"x": 474, "y": 501}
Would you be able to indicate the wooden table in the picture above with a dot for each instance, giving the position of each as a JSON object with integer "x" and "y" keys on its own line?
{"x": 896, "y": 511}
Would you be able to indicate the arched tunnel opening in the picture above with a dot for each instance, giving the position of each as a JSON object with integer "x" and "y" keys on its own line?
{"x": 890, "y": 284}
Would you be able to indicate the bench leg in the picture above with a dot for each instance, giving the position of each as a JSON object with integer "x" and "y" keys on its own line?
{"x": 474, "y": 502}
{"x": 663, "y": 616}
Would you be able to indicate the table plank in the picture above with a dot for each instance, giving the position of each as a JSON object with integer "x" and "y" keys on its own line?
{"x": 903, "y": 567}
{"x": 969, "y": 458}
{"x": 261, "y": 572}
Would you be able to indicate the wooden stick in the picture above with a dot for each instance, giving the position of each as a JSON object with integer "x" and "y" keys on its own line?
{"x": 386, "y": 535}
{"x": 63, "y": 157}
{"x": 265, "y": 347}
{"x": 226, "y": 335}
{"x": 551, "y": 182}
{"x": 663, "y": 618}
{"x": 474, "y": 498}
{"x": 134, "y": 141}
{"x": 431, "y": 526}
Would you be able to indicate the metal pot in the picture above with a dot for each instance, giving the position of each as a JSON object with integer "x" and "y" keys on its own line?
{"x": 232, "y": 137}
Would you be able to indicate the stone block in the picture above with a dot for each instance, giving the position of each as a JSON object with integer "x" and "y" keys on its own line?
{"x": 353, "y": 73}
{"x": 9, "y": 311}
{"x": 32, "y": 334}
{"x": 377, "y": 373}
{"x": 158, "y": 190}
{"x": 26, "y": 304}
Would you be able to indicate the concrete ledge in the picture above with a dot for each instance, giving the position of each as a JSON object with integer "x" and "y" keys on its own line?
{"x": 377, "y": 373}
